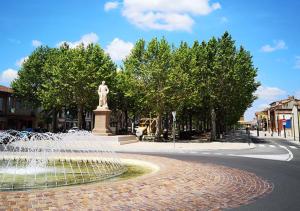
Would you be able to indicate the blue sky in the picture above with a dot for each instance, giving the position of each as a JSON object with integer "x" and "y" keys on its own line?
{"x": 268, "y": 29}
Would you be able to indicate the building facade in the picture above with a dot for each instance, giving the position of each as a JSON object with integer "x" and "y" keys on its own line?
{"x": 280, "y": 117}
{"x": 14, "y": 114}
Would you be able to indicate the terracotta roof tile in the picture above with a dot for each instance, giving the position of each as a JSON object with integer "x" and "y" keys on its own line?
{"x": 6, "y": 89}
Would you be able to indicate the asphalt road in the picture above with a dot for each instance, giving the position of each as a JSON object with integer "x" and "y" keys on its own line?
{"x": 275, "y": 160}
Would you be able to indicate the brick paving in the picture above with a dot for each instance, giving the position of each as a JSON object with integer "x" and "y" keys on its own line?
{"x": 178, "y": 185}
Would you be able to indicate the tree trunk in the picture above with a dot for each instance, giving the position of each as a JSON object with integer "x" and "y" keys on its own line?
{"x": 126, "y": 121}
{"x": 158, "y": 128}
{"x": 186, "y": 122}
{"x": 166, "y": 127}
{"x": 54, "y": 120}
{"x": 83, "y": 120}
{"x": 191, "y": 121}
{"x": 213, "y": 125}
{"x": 80, "y": 116}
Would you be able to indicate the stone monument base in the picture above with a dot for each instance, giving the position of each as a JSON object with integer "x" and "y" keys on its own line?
{"x": 102, "y": 118}
{"x": 117, "y": 139}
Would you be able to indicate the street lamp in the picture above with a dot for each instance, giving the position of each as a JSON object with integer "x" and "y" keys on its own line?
{"x": 257, "y": 128}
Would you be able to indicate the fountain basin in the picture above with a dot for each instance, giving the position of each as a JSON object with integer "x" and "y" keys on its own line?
{"x": 52, "y": 160}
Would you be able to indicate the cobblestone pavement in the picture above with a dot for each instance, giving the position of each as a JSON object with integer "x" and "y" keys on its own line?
{"x": 178, "y": 185}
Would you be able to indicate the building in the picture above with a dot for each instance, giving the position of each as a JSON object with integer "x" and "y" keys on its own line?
{"x": 14, "y": 114}
{"x": 262, "y": 119}
{"x": 296, "y": 122}
{"x": 281, "y": 117}
{"x": 281, "y": 111}
{"x": 246, "y": 124}
{"x": 67, "y": 120}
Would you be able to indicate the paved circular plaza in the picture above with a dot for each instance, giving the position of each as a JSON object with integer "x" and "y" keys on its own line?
{"x": 178, "y": 185}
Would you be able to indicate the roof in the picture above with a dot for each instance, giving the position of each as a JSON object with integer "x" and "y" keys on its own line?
{"x": 276, "y": 104}
{"x": 6, "y": 89}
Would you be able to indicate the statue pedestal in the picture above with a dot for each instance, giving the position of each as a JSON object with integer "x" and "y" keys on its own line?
{"x": 102, "y": 118}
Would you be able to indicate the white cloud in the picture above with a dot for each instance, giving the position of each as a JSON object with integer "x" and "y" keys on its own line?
{"x": 167, "y": 15}
{"x": 8, "y": 75}
{"x": 20, "y": 62}
{"x": 266, "y": 95}
{"x": 111, "y": 5}
{"x": 297, "y": 63}
{"x": 85, "y": 40}
{"x": 297, "y": 94}
{"x": 36, "y": 43}
{"x": 277, "y": 45}
{"x": 262, "y": 106}
{"x": 119, "y": 49}
{"x": 224, "y": 20}
{"x": 269, "y": 93}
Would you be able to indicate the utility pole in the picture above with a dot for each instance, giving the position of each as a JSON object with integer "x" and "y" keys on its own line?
{"x": 283, "y": 125}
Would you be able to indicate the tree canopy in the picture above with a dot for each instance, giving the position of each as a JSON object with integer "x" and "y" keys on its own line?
{"x": 210, "y": 83}
{"x": 209, "y": 80}
{"x": 65, "y": 77}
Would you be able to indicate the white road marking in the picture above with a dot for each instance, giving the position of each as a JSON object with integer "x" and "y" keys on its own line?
{"x": 218, "y": 153}
{"x": 261, "y": 145}
{"x": 291, "y": 156}
{"x": 281, "y": 157}
{"x": 206, "y": 153}
{"x": 193, "y": 152}
{"x": 293, "y": 147}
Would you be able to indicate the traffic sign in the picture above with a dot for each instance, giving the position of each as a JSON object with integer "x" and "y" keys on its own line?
{"x": 284, "y": 122}
{"x": 174, "y": 116}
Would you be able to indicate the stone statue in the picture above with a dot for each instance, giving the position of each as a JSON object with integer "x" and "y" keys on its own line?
{"x": 103, "y": 91}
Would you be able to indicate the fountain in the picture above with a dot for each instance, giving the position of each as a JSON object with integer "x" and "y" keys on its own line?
{"x": 43, "y": 160}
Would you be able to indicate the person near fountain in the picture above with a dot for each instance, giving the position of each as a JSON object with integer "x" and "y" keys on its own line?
{"x": 103, "y": 91}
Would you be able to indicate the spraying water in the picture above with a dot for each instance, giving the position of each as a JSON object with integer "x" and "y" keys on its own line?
{"x": 42, "y": 160}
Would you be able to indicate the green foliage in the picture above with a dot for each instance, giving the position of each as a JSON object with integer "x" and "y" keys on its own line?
{"x": 156, "y": 79}
{"x": 30, "y": 76}
{"x": 65, "y": 77}
{"x": 191, "y": 80}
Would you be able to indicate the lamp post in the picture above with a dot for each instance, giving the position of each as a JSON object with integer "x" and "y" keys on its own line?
{"x": 257, "y": 128}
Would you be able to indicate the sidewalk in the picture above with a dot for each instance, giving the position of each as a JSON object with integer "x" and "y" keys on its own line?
{"x": 266, "y": 134}
{"x": 233, "y": 141}
{"x": 180, "y": 147}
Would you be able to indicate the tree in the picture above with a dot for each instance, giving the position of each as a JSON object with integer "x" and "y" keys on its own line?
{"x": 182, "y": 96}
{"x": 150, "y": 68}
{"x": 209, "y": 81}
{"x": 230, "y": 79}
{"x": 30, "y": 76}
{"x": 74, "y": 75}
{"x": 54, "y": 78}
{"x": 31, "y": 79}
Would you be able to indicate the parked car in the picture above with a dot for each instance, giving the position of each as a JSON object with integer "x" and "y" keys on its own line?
{"x": 9, "y": 136}
{"x": 73, "y": 130}
{"x": 40, "y": 130}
